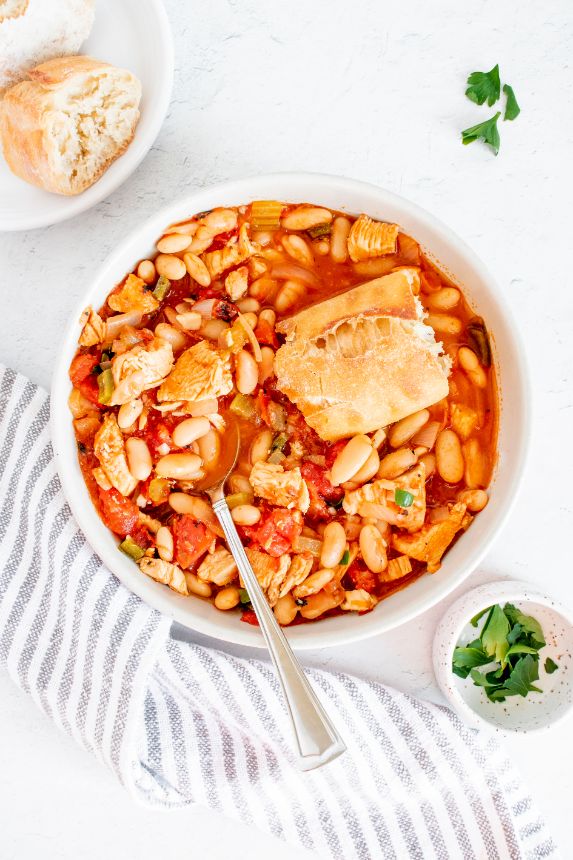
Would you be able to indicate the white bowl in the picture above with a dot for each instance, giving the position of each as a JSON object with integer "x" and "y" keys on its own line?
{"x": 509, "y": 362}
{"x": 131, "y": 34}
{"x": 516, "y": 714}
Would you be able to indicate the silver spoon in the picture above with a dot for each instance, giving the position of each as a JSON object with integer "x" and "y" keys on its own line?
{"x": 317, "y": 740}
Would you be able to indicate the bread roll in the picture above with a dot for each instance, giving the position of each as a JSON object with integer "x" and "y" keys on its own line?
{"x": 32, "y": 31}
{"x": 362, "y": 359}
{"x": 62, "y": 128}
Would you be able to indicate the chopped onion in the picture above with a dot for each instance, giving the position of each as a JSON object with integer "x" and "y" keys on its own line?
{"x": 426, "y": 437}
{"x": 205, "y": 307}
{"x": 284, "y": 271}
{"x": 115, "y": 323}
{"x": 252, "y": 338}
{"x": 307, "y": 544}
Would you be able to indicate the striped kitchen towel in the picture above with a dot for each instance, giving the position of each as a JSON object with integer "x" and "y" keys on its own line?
{"x": 183, "y": 724}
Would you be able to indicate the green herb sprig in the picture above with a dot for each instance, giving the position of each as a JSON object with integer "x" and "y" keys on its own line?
{"x": 485, "y": 87}
{"x": 509, "y": 644}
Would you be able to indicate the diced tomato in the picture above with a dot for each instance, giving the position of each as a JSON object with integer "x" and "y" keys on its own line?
{"x": 265, "y": 334}
{"x": 221, "y": 240}
{"x": 141, "y": 536}
{"x": 362, "y": 577}
{"x": 81, "y": 367}
{"x": 156, "y": 434}
{"x": 333, "y": 451}
{"x": 321, "y": 491}
{"x": 121, "y": 515}
{"x": 249, "y": 617}
{"x": 192, "y": 540}
{"x": 277, "y": 531}
{"x": 262, "y": 404}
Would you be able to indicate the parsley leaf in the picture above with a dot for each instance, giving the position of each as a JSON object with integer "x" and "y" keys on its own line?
{"x": 550, "y": 666}
{"x": 484, "y": 86}
{"x": 486, "y": 131}
{"x": 494, "y": 634}
{"x": 466, "y": 658}
{"x": 520, "y": 681}
{"x": 528, "y": 624}
{"x": 512, "y": 109}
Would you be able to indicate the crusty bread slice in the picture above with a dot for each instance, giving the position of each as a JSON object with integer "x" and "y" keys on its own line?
{"x": 362, "y": 359}
{"x": 33, "y": 31}
{"x": 62, "y": 128}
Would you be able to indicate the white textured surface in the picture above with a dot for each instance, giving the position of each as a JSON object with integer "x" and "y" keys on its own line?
{"x": 375, "y": 93}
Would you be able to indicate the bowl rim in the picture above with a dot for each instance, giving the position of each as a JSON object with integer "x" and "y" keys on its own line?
{"x": 457, "y": 616}
{"x": 299, "y": 636}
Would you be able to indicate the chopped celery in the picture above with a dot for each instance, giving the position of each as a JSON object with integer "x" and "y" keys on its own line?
{"x": 130, "y": 548}
{"x": 243, "y": 406}
{"x": 265, "y": 214}
{"x": 276, "y": 457}
{"x": 106, "y": 386}
{"x": 161, "y": 288}
{"x": 320, "y": 230}
{"x": 236, "y": 499}
{"x": 279, "y": 442}
{"x": 159, "y": 489}
{"x": 244, "y": 595}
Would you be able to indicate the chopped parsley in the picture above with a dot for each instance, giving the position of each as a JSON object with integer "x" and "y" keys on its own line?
{"x": 345, "y": 557}
{"x": 484, "y": 86}
{"x": 512, "y": 109}
{"x": 486, "y": 131}
{"x": 508, "y": 646}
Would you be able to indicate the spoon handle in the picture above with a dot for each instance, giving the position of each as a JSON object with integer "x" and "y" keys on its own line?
{"x": 317, "y": 739}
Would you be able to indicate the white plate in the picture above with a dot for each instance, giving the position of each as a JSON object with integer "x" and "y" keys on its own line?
{"x": 510, "y": 367}
{"x": 132, "y": 34}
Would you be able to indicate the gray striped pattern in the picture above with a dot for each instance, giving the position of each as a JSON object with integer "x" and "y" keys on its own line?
{"x": 181, "y": 724}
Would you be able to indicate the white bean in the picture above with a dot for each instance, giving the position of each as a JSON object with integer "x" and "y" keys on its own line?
{"x": 164, "y": 543}
{"x": 170, "y": 267}
{"x": 298, "y": 249}
{"x": 182, "y": 467}
{"x": 266, "y": 365}
{"x": 469, "y": 362}
{"x": 261, "y": 447}
{"x": 407, "y": 427}
{"x": 444, "y": 323}
{"x": 203, "y": 407}
{"x": 246, "y": 515}
{"x": 197, "y": 586}
{"x": 173, "y": 243}
{"x": 396, "y": 463}
{"x": 352, "y": 457}
{"x": 475, "y": 466}
{"x": 128, "y": 413}
{"x": 189, "y": 431}
{"x": 285, "y": 609}
{"x": 246, "y": 372}
{"x": 138, "y": 458}
{"x": 190, "y": 320}
{"x": 475, "y": 500}
{"x": 146, "y": 271}
{"x": 444, "y": 299}
{"x": 333, "y": 545}
{"x": 368, "y": 470}
{"x": 373, "y": 549}
{"x": 209, "y": 448}
{"x": 249, "y": 305}
{"x": 289, "y": 293}
{"x": 220, "y": 220}
{"x": 227, "y": 598}
{"x": 339, "y": 238}
{"x": 269, "y": 316}
{"x": 305, "y": 217}
{"x": 197, "y": 269}
{"x": 449, "y": 457}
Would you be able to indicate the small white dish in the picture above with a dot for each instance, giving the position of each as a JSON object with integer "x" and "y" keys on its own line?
{"x": 531, "y": 713}
{"x": 510, "y": 367}
{"x": 132, "y": 34}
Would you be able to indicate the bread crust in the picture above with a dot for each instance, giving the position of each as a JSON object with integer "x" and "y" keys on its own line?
{"x": 23, "y": 129}
{"x": 353, "y": 363}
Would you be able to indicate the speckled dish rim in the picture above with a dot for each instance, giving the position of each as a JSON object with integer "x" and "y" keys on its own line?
{"x": 509, "y": 362}
{"x": 450, "y": 628}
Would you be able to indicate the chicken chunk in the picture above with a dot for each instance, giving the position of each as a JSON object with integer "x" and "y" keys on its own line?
{"x": 287, "y": 489}
{"x": 140, "y": 368}
{"x": 230, "y": 255}
{"x": 219, "y": 567}
{"x": 430, "y": 543}
{"x": 109, "y": 448}
{"x": 165, "y": 572}
{"x": 358, "y": 601}
{"x": 299, "y": 569}
{"x": 200, "y": 373}
{"x": 464, "y": 420}
{"x": 133, "y": 296}
{"x": 377, "y": 499}
{"x": 237, "y": 283}
{"x": 270, "y": 572}
{"x": 93, "y": 331}
{"x": 370, "y": 238}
